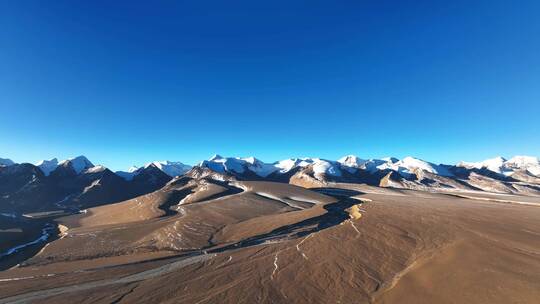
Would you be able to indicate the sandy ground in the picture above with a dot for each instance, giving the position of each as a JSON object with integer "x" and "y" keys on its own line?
{"x": 398, "y": 246}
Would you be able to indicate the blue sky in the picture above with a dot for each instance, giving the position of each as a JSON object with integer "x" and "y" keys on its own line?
{"x": 129, "y": 82}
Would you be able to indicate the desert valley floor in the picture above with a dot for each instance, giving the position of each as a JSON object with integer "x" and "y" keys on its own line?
{"x": 266, "y": 242}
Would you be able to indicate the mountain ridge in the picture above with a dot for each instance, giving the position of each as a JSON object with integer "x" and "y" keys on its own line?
{"x": 218, "y": 163}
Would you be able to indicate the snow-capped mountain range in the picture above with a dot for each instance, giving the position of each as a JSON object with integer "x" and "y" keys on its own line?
{"x": 81, "y": 164}
{"x": 78, "y": 182}
{"x": 349, "y": 163}
{"x": 507, "y": 167}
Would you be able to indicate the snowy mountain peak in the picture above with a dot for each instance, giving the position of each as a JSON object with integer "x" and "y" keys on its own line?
{"x": 411, "y": 164}
{"x": 351, "y": 161}
{"x": 6, "y": 162}
{"x": 169, "y": 167}
{"x": 528, "y": 163}
{"x": 223, "y": 164}
{"x": 252, "y": 160}
{"x": 238, "y": 165}
{"x": 498, "y": 160}
{"x": 500, "y": 165}
{"x": 495, "y": 164}
{"x": 390, "y": 159}
{"x": 287, "y": 165}
{"x": 260, "y": 168}
{"x": 78, "y": 163}
{"x": 523, "y": 161}
{"x": 321, "y": 166}
{"x": 47, "y": 166}
{"x": 215, "y": 157}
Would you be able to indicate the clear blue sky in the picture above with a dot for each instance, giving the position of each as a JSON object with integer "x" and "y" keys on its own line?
{"x": 129, "y": 82}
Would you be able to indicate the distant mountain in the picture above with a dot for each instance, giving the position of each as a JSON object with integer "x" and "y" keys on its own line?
{"x": 23, "y": 187}
{"x": 129, "y": 174}
{"x": 47, "y": 166}
{"x": 237, "y": 165}
{"x": 6, "y": 162}
{"x": 500, "y": 165}
{"x": 250, "y": 167}
{"x": 78, "y": 183}
{"x": 495, "y": 164}
{"x": 493, "y": 175}
{"x": 528, "y": 163}
{"x": 170, "y": 168}
{"x": 72, "y": 183}
{"x": 77, "y": 164}
{"x": 351, "y": 162}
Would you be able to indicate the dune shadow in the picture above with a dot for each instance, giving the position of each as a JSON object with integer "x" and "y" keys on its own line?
{"x": 337, "y": 192}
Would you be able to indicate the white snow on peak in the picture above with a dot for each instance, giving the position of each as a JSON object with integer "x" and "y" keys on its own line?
{"x": 529, "y": 163}
{"x": 410, "y": 164}
{"x": 373, "y": 165}
{"x": 6, "y": 162}
{"x": 215, "y": 157}
{"x": 507, "y": 167}
{"x": 351, "y": 162}
{"x": 390, "y": 159}
{"x": 258, "y": 167}
{"x": 47, "y": 166}
{"x": 407, "y": 165}
{"x": 168, "y": 167}
{"x": 252, "y": 160}
{"x": 414, "y": 163}
{"x": 78, "y": 163}
{"x": 238, "y": 165}
{"x": 523, "y": 161}
{"x": 287, "y": 165}
{"x": 321, "y": 166}
{"x": 348, "y": 163}
{"x": 495, "y": 164}
{"x": 223, "y": 164}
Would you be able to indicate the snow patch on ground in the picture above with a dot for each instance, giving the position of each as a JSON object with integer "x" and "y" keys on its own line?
{"x": 96, "y": 169}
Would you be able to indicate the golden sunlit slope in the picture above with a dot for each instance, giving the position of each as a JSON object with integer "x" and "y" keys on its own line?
{"x": 397, "y": 246}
